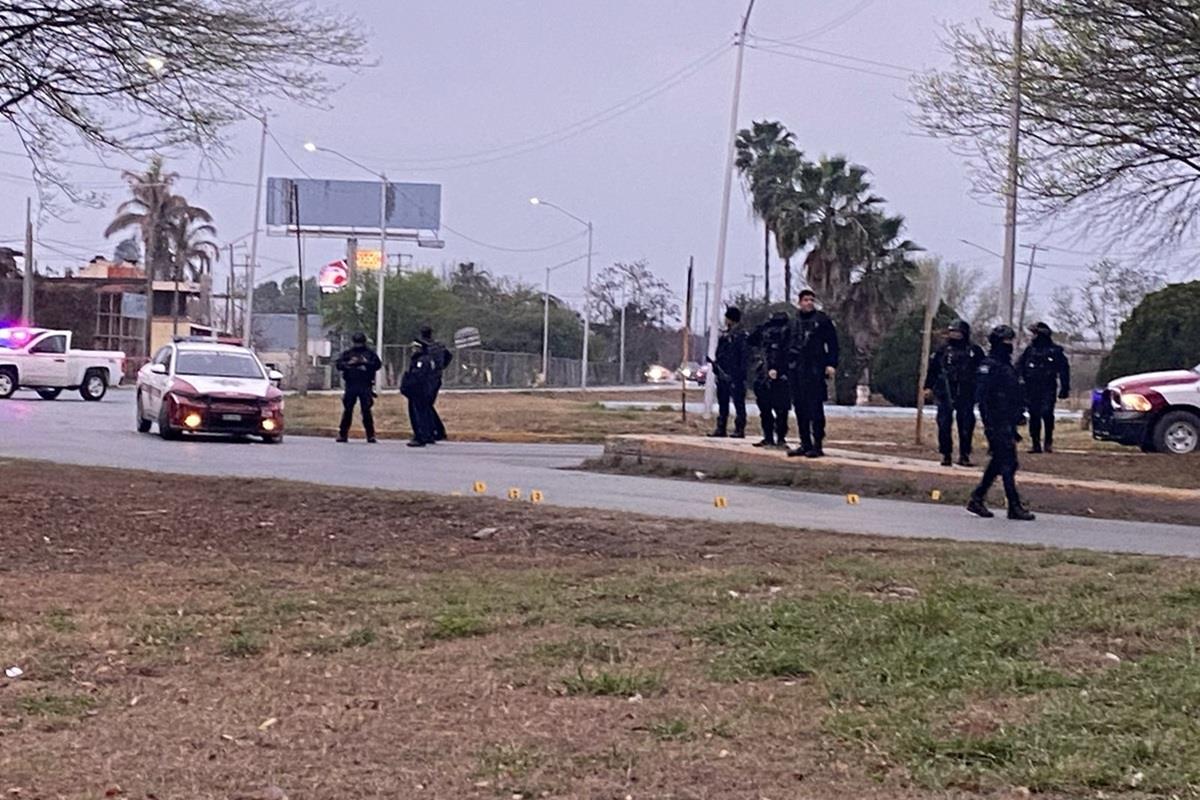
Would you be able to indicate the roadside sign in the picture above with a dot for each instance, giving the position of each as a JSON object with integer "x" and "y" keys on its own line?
{"x": 333, "y": 277}
{"x": 467, "y": 337}
{"x": 367, "y": 260}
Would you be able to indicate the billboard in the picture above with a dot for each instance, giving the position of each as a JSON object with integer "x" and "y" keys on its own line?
{"x": 333, "y": 277}
{"x": 349, "y": 207}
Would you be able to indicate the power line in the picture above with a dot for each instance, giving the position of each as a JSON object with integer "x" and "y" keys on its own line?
{"x": 503, "y": 249}
{"x": 107, "y": 168}
{"x": 288, "y": 155}
{"x": 564, "y": 133}
{"x": 811, "y": 60}
{"x": 835, "y": 54}
{"x": 833, "y": 24}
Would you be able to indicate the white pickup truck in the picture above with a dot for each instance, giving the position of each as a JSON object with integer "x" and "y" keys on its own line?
{"x": 42, "y": 360}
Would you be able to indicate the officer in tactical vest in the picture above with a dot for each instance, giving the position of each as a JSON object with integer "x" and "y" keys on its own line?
{"x": 950, "y": 380}
{"x": 771, "y": 391}
{"x": 1001, "y": 406}
{"x": 358, "y": 366}
{"x": 1046, "y": 374}
{"x": 812, "y": 361}
{"x": 730, "y": 366}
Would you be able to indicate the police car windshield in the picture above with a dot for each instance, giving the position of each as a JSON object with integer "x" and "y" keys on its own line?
{"x": 214, "y": 364}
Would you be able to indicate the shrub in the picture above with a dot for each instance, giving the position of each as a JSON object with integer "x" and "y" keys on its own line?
{"x": 1163, "y": 332}
{"x": 896, "y": 368}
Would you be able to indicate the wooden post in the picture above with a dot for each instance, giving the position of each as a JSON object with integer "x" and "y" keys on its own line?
{"x": 931, "y": 304}
{"x": 27, "y": 310}
{"x": 687, "y": 336}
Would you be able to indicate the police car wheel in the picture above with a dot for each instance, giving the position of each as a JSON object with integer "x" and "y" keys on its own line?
{"x": 143, "y": 424}
{"x": 8, "y": 383}
{"x": 1177, "y": 433}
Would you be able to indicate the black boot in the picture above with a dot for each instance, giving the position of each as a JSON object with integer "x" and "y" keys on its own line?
{"x": 799, "y": 452}
{"x": 815, "y": 451}
{"x": 719, "y": 433}
{"x": 946, "y": 460}
{"x": 1019, "y": 512}
{"x": 1037, "y": 448}
{"x": 975, "y": 506}
{"x": 738, "y": 433}
{"x": 965, "y": 460}
{"x": 766, "y": 442}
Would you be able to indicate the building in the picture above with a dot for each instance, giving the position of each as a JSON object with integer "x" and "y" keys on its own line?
{"x": 275, "y": 337}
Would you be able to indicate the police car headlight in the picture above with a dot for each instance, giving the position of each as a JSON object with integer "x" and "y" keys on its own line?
{"x": 1135, "y": 402}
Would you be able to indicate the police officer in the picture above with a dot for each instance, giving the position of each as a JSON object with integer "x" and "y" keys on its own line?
{"x": 441, "y": 358}
{"x": 730, "y": 366}
{"x": 771, "y": 392}
{"x": 812, "y": 360}
{"x": 417, "y": 385}
{"x": 1046, "y": 374}
{"x": 951, "y": 381}
{"x": 998, "y": 390}
{"x": 358, "y": 366}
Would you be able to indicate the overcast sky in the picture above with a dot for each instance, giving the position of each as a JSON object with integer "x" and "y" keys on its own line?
{"x": 466, "y": 77}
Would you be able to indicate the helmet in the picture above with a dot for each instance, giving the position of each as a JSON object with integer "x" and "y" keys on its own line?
{"x": 960, "y": 326}
{"x": 359, "y": 338}
{"x": 1040, "y": 329}
{"x": 733, "y": 314}
{"x": 1001, "y": 334}
{"x": 779, "y": 317}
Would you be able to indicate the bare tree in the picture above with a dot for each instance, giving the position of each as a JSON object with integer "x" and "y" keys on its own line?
{"x": 143, "y": 76}
{"x": 1095, "y": 310}
{"x": 646, "y": 296}
{"x": 1110, "y": 116}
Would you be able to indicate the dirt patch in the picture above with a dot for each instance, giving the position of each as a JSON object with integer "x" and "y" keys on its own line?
{"x": 212, "y": 638}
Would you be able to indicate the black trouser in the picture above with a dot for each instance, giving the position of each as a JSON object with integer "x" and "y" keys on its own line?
{"x": 357, "y": 395}
{"x": 808, "y": 396}
{"x": 735, "y": 391}
{"x": 774, "y": 403}
{"x": 962, "y": 407}
{"x": 1003, "y": 464}
{"x": 420, "y": 417}
{"x": 439, "y": 430}
{"x": 1041, "y": 403}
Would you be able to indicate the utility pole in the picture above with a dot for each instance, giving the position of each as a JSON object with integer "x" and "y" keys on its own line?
{"x": 1007, "y": 279}
{"x": 710, "y": 387}
{"x": 687, "y": 335}
{"x": 931, "y": 304}
{"x": 706, "y": 285}
{"x": 624, "y": 303}
{"x": 248, "y": 311}
{"x": 27, "y": 274}
{"x": 1025, "y": 298}
{"x": 753, "y": 276}
{"x": 383, "y": 190}
{"x": 301, "y": 366}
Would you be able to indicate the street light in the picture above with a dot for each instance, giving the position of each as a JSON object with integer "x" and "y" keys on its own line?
{"x": 587, "y": 322}
{"x": 313, "y": 147}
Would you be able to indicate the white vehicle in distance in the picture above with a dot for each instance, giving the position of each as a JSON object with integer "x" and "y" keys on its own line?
{"x": 43, "y": 360}
{"x": 204, "y": 385}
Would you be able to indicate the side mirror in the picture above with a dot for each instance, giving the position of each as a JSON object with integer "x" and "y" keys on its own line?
{"x": 274, "y": 375}
{"x": 158, "y": 369}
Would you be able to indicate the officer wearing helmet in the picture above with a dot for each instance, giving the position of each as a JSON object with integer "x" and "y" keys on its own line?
{"x": 771, "y": 391}
{"x": 1002, "y": 407}
{"x": 1046, "y": 374}
{"x": 730, "y": 366}
{"x": 950, "y": 381}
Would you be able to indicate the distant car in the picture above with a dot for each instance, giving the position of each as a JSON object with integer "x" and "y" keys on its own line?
{"x": 1157, "y": 411}
{"x": 693, "y": 371}
{"x": 43, "y": 360}
{"x": 204, "y": 386}
{"x": 657, "y": 373}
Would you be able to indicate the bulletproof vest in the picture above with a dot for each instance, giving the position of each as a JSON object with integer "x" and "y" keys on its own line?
{"x": 774, "y": 346}
{"x": 1041, "y": 364}
{"x": 357, "y": 359}
{"x": 956, "y": 365}
{"x": 807, "y": 344}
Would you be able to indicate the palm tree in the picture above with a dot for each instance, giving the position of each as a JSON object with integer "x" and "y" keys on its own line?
{"x": 150, "y": 212}
{"x": 193, "y": 250}
{"x": 767, "y": 159}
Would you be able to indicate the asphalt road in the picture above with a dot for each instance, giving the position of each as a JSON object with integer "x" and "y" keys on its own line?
{"x": 102, "y": 434}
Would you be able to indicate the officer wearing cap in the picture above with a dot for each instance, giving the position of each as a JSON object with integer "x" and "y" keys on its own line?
{"x": 950, "y": 380}
{"x": 358, "y": 366}
{"x": 730, "y": 366}
{"x": 1046, "y": 374}
{"x": 998, "y": 391}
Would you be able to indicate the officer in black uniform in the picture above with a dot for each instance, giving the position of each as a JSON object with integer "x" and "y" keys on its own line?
{"x": 812, "y": 361}
{"x": 730, "y": 366}
{"x": 951, "y": 381}
{"x": 1046, "y": 374}
{"x": 441, "y": 358}
{"x": 998, "y": 390}
{"x": 417, "y": 385}
{"x": 358, "y": 366}
{"x": 771, "y": 391}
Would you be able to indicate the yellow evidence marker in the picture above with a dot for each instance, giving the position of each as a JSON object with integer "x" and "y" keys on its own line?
{"x": 514, "y": 493}
{"x": 720, "y": 502}
{"x": 535, "y": 496}
{"x": 480, "y": 487}
{"x": 935, "y": 495}
{"x": 852, "y": 499}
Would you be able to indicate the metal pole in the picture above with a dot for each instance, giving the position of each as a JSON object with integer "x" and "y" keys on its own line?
{"x": 1025, "y": 298}
{"x": 587, "y": 316}
{"x": 687, "y": 335}
{"x": 707, "y": 284}
{"x": 1014, "y": 150}
{"x": 931, "y": 303}
{"x": 383, "y": 188}
{"x": 546, "y": 331}
{"x": 302, "y": 314}
{"x": 248, "y": 313}
{"x": 753, "y": 276}
{"x": 710, "y": 387}
{"x": 27, "y": 274}
{"x": 624, "y": 303}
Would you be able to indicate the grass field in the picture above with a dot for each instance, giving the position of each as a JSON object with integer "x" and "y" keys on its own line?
{"x": 334, "y": 644}
{"x": 575, "y": 417}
